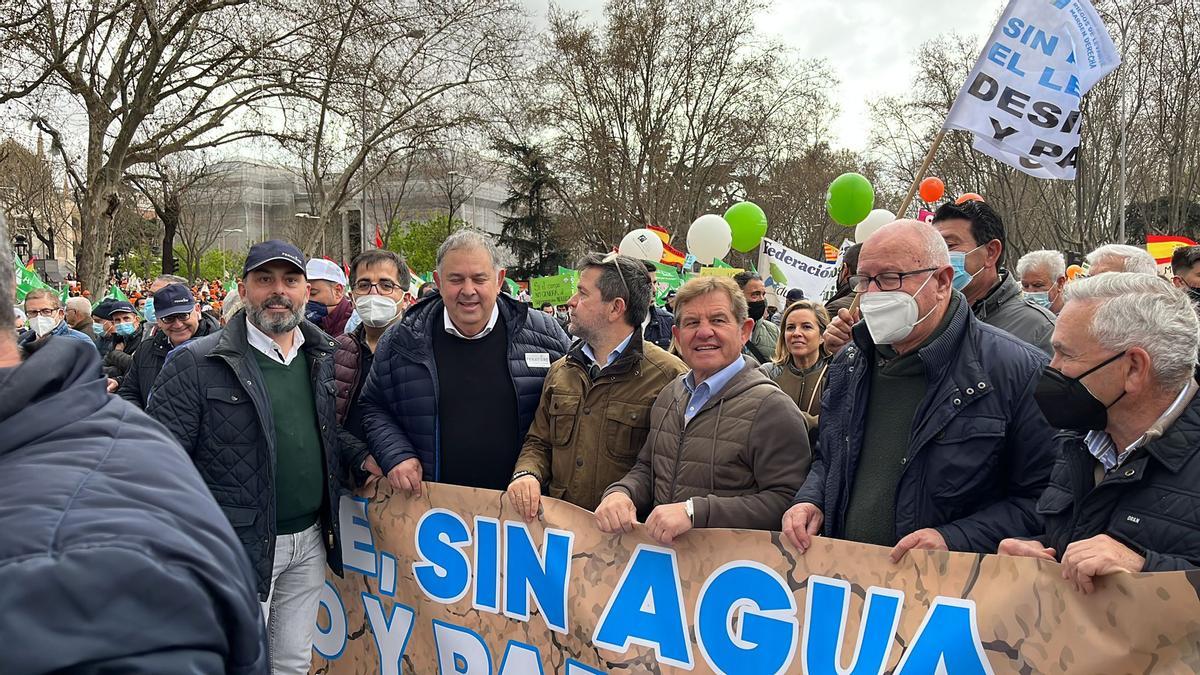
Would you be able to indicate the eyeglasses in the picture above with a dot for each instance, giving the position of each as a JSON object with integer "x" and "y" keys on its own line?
{"x": 612, "y": 258}
{"x": 385, "y": 286}
{"x": 174, "y": 318}
{"x": 886, "y": 281}
{"x": 48, "y": 312}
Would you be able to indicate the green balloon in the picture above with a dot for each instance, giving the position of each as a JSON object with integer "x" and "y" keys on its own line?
{"x": 850, "y": 199}
{"x": 748, "y": 224}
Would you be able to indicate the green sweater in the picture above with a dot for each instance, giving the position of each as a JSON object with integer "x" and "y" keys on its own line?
{"x": 898, "y": 385}
{"x": 299, "y": 463}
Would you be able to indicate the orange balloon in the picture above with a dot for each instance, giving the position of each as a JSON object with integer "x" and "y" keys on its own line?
{"x": 932, "y": 189}
{"x": 968, "y": 197}
{"x": 1074, "y": 271}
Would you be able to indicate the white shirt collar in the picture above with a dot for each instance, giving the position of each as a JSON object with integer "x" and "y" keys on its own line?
{"x": 269, "y": 348}
{"x": 612, "y": 356}
{"x": 453, "y": 330}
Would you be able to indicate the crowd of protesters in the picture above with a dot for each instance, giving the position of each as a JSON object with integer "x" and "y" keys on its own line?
{"x": 188, "y": 445}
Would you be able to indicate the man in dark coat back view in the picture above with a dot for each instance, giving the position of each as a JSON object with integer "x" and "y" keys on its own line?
{"x": 114, "y": 557}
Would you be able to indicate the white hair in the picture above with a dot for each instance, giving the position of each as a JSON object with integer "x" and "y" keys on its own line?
{"x": 1137, "y": 260}
{"x": 1052, "y": 262}
{"x": 468, "y": 239}
{"x": 1142, "y": 310}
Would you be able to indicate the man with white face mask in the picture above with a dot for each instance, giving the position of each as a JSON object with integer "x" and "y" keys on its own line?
{"x": 46, "y": 319}
{"x": 936, "y": 441}
{"x": 378, "y": 280}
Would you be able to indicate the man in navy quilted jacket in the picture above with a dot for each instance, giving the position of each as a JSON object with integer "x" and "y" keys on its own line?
{"x": 114, "y": 557}
{"x": 456, "y": 382}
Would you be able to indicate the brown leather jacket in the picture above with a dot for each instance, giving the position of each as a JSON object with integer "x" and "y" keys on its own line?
{"x": 740, "y": 459}
{"x": 587, "y": 434}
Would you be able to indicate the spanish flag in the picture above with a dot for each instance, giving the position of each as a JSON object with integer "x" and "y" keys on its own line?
{"x": 671, "y": 255}
{"x": 1162, "y": 246}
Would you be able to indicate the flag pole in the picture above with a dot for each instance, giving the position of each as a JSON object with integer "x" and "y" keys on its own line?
{"x": 916, "y": 182}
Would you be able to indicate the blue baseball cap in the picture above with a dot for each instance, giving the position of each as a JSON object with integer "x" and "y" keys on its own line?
{"x": 118, "y": 306}
{"x": 173, "y": 299}
{"x": 269, "y": 251}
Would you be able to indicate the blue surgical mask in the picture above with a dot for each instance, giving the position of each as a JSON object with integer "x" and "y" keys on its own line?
{"x": 126, "y": 329}
{"x": 1040, "y": 298}
{"x": 98, "y": 329}
{"x": 958, "y": 260}
{"x": 148, "y": 312}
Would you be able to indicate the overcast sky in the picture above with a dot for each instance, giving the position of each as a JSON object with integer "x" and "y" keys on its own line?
{"x": 869, "y": 43}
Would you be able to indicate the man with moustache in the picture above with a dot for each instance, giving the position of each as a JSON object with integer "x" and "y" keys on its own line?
{"x": 253, "y": 405}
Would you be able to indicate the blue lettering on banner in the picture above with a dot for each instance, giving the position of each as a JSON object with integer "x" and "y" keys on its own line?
{"x": 545, "y": 577}
{"x": 391, "y": 632}
{"x": 460, "y": 650}
{"x": 949, "y": 638}
{"x": 746, "y": 619}
{"x": 646, "y": 608}
{"x": 487, "y": 565}
{"x": 358, "y": 543}
{"x": 330, "y": 640}
{"x": 521, "y": 659}
{"x": 825, "y": 627}
{"x": 445, "y": 573}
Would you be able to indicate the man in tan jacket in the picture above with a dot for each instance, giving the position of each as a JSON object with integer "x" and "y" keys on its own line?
{"x": 727, "y": 448}
{"x": 594, "y": 413}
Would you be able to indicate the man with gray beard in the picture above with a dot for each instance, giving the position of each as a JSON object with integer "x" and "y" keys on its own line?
{"x": 254, "y": 407}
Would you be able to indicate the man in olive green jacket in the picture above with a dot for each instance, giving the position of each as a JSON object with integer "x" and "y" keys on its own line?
{"x": 594, "y": 413}
{"x": 726, "y": 446}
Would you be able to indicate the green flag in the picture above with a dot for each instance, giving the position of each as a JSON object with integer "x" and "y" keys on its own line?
{"x": 230, "y": 286}
{"x": 27, "y": 279}
{"x": 721, "y": 263}
{"x": 665, "y": 279}
{"x": 114, "y": 293}
{"x": 513, "y": 289}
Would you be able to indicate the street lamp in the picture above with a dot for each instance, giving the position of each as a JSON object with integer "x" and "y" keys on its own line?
{"x": 1124, "y": 20}
{"x": 224, "y": 248}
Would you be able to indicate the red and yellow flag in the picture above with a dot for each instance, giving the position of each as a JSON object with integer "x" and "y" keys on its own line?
{"x": 831, "y": 253}
{"x": 671, "y": 255}
{"x": 1162, "y": 247}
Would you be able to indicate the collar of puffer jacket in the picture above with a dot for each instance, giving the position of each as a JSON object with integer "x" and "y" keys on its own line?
{"x": 62, "y": 377}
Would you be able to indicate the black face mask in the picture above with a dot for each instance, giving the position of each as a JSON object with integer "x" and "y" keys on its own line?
{"x": 757, "y": 309}
{"x": 1194, "y": 293}
{"x": 1067, "y": 404}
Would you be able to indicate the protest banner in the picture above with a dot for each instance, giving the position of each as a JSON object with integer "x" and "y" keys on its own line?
{"x": 1022, "y": 99}
{"x": 556, "y": 290}
{"x": 720, "y": 271}
{"x": 454, "y": 581}
{"x": 791, "y": 269}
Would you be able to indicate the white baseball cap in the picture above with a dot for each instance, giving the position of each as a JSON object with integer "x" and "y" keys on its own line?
{"x": 320, "y": 268}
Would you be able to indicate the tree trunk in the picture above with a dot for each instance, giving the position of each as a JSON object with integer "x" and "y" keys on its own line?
{"x": 95, "y": 230}
{"x": 170, "y": 222}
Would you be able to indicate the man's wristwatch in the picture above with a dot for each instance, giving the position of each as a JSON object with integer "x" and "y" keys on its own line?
{"x": 690, "y": 511}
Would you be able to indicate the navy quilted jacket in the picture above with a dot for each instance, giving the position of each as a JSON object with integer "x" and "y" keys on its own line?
{"x": 211, "y": 394}
{"x": 114, "y": 558}
{"x": 399, "y": 400}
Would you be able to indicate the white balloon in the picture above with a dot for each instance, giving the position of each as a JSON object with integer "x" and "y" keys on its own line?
{"x": 709, "y": 238}
{"x": 874, "y": 220}
{"x": 641, "y": 244}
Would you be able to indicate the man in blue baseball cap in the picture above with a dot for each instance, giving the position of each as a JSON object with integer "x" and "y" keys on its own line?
{"x": 254, "y": 406}
{"x": 178, "y": 320}
{"x": 121, "y": 338}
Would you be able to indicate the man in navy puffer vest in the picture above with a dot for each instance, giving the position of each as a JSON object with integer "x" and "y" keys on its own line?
{"x": 456, "y": 382}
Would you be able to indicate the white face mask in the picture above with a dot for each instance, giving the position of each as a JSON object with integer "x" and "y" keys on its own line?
{"x": 376, "y": 311}
{"x": 891, "y": 315}
{"x": 42, "y": 325}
